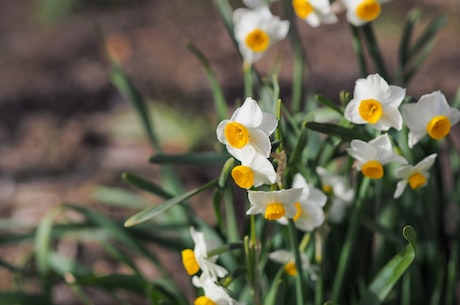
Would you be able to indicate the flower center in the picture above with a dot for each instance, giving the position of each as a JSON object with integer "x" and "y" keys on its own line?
{"x": 368, "y": 10}
{"x": 290, "y": 268}
{"x": 189, "y": 262}
{"x": 237, "y": 134}
{"x": 299, "y": 211}
{"x": 370, "y": 110}
{"x": 417, "y": 180}
{"x": 257, "y": 40}
{"x": 274, "y": 211}
{"x": 203, "y": 300}
{"x": 327, "y": 189}
{"x": 302, "y": 8}
{"x": 438, "y": 127}
{"x": 243, "y": 176}
{"x": 372, "y": 169}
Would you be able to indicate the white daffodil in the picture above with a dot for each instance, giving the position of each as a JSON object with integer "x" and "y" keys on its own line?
{"x": 197, "y": 259}
{"x": 431, "y": 115}
{"x": 314, "y": 12}
{"x": 373, "y": 155}
{"x": 254, "y": 170}
{"x": 256, "y": 30}
{"x": 309, "y": 214}
{"x": 213, "y": 293}
{"x": 247, "y": 132}
{"x": 275, "y": 204}
{"x": 287, "y": 258}
{"x": 375, "y": 103}
{"x": 360, "y": 12}
{"x": 416, "y": 176}
{"x": 342, "y": 195}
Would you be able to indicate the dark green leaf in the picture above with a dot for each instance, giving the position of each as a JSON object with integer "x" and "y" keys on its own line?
{"x": 346, "y": 134}
{"x": 388, "y": 276}
{"x": 145, "y": 185}
{"x": 157, "y": 210}
{"x": 204, "y": 158}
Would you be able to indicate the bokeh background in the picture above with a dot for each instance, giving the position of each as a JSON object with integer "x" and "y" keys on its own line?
{"x": 65, "y": 132}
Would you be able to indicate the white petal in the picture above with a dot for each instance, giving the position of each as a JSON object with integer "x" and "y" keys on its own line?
{"x": 317, "y": 197}
{"x": 400, "y": 187}
{"x": 249, "y": 114}
{"x": 390, "y": 118}
{"x": 268, "y": 124}
{"x": 426, "y": 163}
{"x": 352, "y": 112}
{"x": 220, "y": 131}
{"x": 260, "y": 141}
{"x": 397, "y": 95}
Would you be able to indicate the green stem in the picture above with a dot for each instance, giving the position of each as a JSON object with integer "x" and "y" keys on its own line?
{"x": 350, "y": 238}
{"x": 374, "y": 50}
{"x": 359, "y": 50}
{"x": 298, "y": 263}
{"x": 248, "y": 81}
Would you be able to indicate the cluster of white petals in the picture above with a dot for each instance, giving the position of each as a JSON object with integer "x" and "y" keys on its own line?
{"x": 256, "y": 30}
{"x": 309, "y": 214}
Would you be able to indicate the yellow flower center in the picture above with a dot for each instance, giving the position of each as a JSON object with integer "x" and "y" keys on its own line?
{"x": 372, "y": 169}
{"x": 203, "y": 300}
{"x": 299, "y": 211}
{"x": 257, "y": 40}
{"x": 302, "y": 8}
{"x": 189, "y": 262}
{"x": 368, "y": 10}
{"x": 327, "y": 189}
{"x": 438, "y": 127}
{"x": 290, "y": 268}
{"x": 370, "y": 110}
{"x": 243, "y": 176}
{"x": 274, "y": 211}
{"x": 237, "y": 134}
{"x": 417, "y": 180}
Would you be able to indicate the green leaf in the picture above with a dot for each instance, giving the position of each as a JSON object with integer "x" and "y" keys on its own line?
{"x": 157, "y": 210}
{"x": 112, "y": 282}
{"x": 145, "y": 185}
{"x": 346, "y": 134}
{"x": 118, "y": 197}
{"x": 121, "y": 81}
{"x": 412, "y": 18}
{"x": 387, "y": 277}
{"x": 219, "y": 100}
{"x": 19, "y": 298}
{"x": 328, "y": 103}
{"x": 204, "y": 158}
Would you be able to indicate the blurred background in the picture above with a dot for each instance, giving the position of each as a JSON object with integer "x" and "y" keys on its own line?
{"x": 66, "y": 133}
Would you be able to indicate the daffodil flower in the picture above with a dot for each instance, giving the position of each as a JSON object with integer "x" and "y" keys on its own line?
{"x": 416, "y": 176}
{"x": 197, "y": 259}
{"x": 373, "y": 155}
{"x": 431, "y": 115}
{"x": 288, "y": 260}
{"x": 254, "y": 170}
{"x": 274, "y": 204}
{"x": 314, "y": 12}
{"x": 342, "y": 195}
{"x": 375, "y": 103}
{"x": 309, "y": 214}
{"x": 360, "y": 12}
{"x": 213, "y": 293}
{"x": 256, "y": 30}
{"x": 247, "y": 132}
